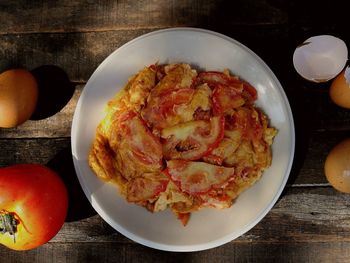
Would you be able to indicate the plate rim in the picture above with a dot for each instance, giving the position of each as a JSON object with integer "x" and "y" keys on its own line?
{"x": 227, "y": 238}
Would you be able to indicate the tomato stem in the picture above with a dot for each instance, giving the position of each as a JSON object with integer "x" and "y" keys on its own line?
{"x": 8, "y": 224}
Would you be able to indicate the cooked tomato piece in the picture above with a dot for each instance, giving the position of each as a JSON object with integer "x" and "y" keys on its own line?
{"x": 192, "y": 140}
{"x": 227, "y": 98}
{"x": 198, "y": 177}
{"x": 146, "y": 187}
{"x": 162, "y": 111}
{"x": 249, "y": 93}
{"x": 144, "y": 146}
{"x": 213, "y": 79}
{"x": 183, "y": 217}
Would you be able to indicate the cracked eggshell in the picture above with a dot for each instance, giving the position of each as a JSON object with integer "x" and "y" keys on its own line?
{"x": 320, "y": 58}
{"x": 340, "y": 89}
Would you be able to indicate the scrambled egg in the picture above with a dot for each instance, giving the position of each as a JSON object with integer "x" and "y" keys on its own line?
{"x": 175, "y": 138}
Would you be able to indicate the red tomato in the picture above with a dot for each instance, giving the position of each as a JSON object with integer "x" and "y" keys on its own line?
{"x": 33, "y": 205}
{"x": 192, "y": 140}
{"x": 197, "y": 177}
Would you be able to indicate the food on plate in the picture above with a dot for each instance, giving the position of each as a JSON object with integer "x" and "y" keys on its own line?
{"x": 181, "y": 139}
{"x": 337, "y": 166}
{"x": 18, "y": 97}
{"x": 33, "y": 205}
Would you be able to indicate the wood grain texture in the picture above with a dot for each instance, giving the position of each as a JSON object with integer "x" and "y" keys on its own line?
{"x": 78, "y": 54}
{"x": 82, "y": 16}
{"x": 233, "y": 252}
{"x": 30, "y": 150}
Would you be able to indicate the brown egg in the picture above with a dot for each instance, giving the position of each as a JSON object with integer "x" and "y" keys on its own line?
{"x": 337, "y": 166}
{"x": 18, "y": 97}
{"x": 340, "y": 91}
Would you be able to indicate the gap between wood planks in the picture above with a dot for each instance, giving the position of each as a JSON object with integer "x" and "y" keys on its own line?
{"x": 135, "y": 28}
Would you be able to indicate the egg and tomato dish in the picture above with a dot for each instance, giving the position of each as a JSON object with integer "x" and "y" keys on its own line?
{"x": 177, "y": 138}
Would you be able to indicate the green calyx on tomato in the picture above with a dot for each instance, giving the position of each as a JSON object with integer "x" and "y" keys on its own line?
{"x": 193, "y": 139}
{"x": 8, "y": 223}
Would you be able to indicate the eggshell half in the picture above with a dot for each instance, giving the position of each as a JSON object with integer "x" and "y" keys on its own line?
{"x": 337, "y": 166}
{"x": 18, "y": 97}
{"x": 320, "y": 58}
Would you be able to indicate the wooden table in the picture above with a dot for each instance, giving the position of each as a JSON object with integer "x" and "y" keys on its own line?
{"x": 63, "y": 42}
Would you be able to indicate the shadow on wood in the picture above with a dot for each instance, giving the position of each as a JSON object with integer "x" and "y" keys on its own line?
{"x": 55, "y": 90}
{"x": 79, "y": 206}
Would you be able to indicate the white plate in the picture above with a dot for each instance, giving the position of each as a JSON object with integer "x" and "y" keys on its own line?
{"x": 207, "y": 228}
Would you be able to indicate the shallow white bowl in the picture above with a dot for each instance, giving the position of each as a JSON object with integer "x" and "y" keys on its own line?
{"x": 207, "y": 228}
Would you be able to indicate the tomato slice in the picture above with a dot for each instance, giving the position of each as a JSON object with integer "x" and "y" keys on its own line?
{"x": 227, "y": 98}
{"x": 249, "y": 93}
{"x": 198, "y": 177}
{"x": 192, "y": 140}
{"x": 213, "y": 79}
{"x": 144, "y": 146}
{"x": 183, "y": 217}
{"x": 160, "y": 111}
{"x": 146, "y": 187}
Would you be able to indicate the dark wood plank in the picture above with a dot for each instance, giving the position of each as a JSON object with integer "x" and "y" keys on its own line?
{"x": 31, "y": 150}
{"x": 233, "y": 252}
{"x": 78, "y": 16}
{"x": 78, "y": 54}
